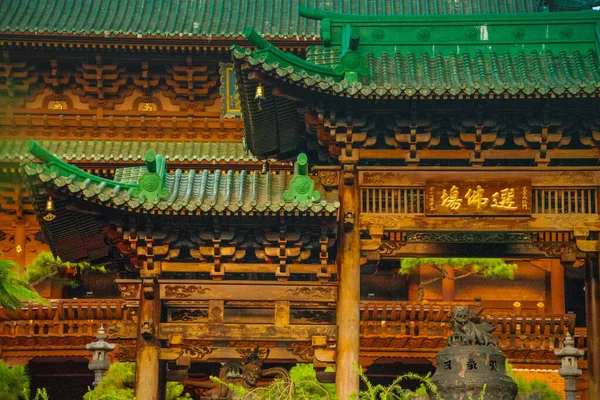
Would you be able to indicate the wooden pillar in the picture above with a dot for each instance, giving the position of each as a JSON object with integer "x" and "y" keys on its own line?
{"x": 557, "y": 286}
{"x": 147, "y": 361}
{"x": 448, "y": 291}
{"x": 348, "y": 314}
{"x": 592, "y": 306}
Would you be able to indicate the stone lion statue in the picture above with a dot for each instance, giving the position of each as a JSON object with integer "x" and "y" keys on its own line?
{"x": 469, "y": 330}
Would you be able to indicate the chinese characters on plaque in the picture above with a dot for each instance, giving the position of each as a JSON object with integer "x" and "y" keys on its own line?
{"x": 478, "y": 197}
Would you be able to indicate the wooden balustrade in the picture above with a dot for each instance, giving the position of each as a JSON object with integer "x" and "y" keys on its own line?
{"x": 542, "y": 331}
{"x": 80, "y": 317}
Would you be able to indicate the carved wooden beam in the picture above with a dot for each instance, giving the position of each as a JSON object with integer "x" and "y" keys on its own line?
{"x": 168, "y": 331}
{"x": 537, "y": 222}
{"x": 176, "y": 266}
{"x": 259, "y": 291}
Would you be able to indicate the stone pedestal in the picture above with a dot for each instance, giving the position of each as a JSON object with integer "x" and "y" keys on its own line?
{"x": 462, "y": 372}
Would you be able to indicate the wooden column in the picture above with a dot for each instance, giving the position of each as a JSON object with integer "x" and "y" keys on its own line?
{"x": 147, "y": 361}
{"x": 348, "y": 314}
{"x": 448, "y": 285}
{"x": 592, "y": 306}
{"x": 557, "y": 286}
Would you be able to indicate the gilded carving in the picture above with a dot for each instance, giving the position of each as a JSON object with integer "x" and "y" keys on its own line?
{"x": 469, "y": 237}
{"x": 125, "y": 353}
{"x": 390, "y": 248}
{"x": 199, "y": 353}
{"x": 556, "y": 248}
{"x": 129, "y": 290}
{"x": 182, "y": 291}
{"x": 329, "y": 178}
{"x": 315, "y": 292}
{"x": 316, "y": 316}
{"x": 248, "y": 351}
{"x": 188, "y": 314}
{"x": 381, "y": 178}
{"x": 122, "y": 330}
{"x": 304, "y": 352}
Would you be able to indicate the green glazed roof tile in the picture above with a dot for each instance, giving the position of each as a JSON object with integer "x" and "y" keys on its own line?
{"x": 544, "y": 54}
{"x": 15, "y": 150}
{"x": 482, "y": 73}
{"x": 216, "y": 18}
{"x": 192, "y": 191}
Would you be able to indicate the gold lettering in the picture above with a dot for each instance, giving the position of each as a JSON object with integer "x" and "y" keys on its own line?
{"x": 475, "y": 197}
{"x": 451, "y": 201}
{"x": 504, "y": 200}
{"x": 57, "y": 105}
{"x": 148, "y": 107}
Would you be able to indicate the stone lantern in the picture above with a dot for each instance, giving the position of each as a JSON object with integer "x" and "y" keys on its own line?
{"x": 569, "y": 356}
{"x": 99, "y": 363}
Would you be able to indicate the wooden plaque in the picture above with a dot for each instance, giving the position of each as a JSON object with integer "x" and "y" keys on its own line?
{"x": 478, "y": 197}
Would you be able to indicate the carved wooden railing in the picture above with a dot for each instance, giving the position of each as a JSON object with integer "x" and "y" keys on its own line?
{"x": 398, "y": 319}
{"x": 401, "y": 318}
{"x": 79, "y": 317}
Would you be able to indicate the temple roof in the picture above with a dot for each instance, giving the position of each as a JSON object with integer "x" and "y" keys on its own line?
{"x": 151, "y": 189}
{"x": 553, "y": 54}
{"x": 215, "y": 18}
{"x": 16, "y": 150}
{"x": 541, "y": 54}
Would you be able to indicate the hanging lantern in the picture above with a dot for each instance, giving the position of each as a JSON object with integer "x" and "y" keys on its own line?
{"x": 259, "y": 95}
{"x": 260, "y": 92}
{"x": 49, "y": 205}
{"x": 49, "y": 208}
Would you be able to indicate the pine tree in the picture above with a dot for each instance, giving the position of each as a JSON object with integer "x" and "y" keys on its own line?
{"x": 463, "y": 267}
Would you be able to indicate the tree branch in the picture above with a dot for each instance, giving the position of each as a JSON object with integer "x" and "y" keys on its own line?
{"x": 463, "y": 275}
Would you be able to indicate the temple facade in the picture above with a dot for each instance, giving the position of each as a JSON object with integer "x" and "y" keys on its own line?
{"x": 252, "y": 174}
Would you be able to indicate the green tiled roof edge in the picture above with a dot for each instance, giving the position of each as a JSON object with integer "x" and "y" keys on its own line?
{"x": 566, "y": 34}
{"x": 151, "y": 192}
{"x": 15, "y": 150}
{"x": 216, "y": 18}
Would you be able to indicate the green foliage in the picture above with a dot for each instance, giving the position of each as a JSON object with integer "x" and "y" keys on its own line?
{"x": 488, "y": 267}
{"x": 119, "y": 384}
{"x": 528, "y": 387}
{"x": 13, "y": 288}
{"x": 303, "y": 386}
{"x": 46, "y": 266}
{"x": 14, "y": 382}
{"x": 304, "y": 377}
{"x": 394, "y": 391}
{"x": 41, "y": 394}
{"x": 463, "y": 267}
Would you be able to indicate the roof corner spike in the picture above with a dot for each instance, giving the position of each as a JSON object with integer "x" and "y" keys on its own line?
{"x": 301, "y": 187}
{"x": 151, "y": 160}
{"x": 254, "y": 38}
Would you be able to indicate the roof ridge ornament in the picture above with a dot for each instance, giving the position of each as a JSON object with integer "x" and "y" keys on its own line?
{"x": 301, "y": 187}
{"x": 151, "y": 184}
